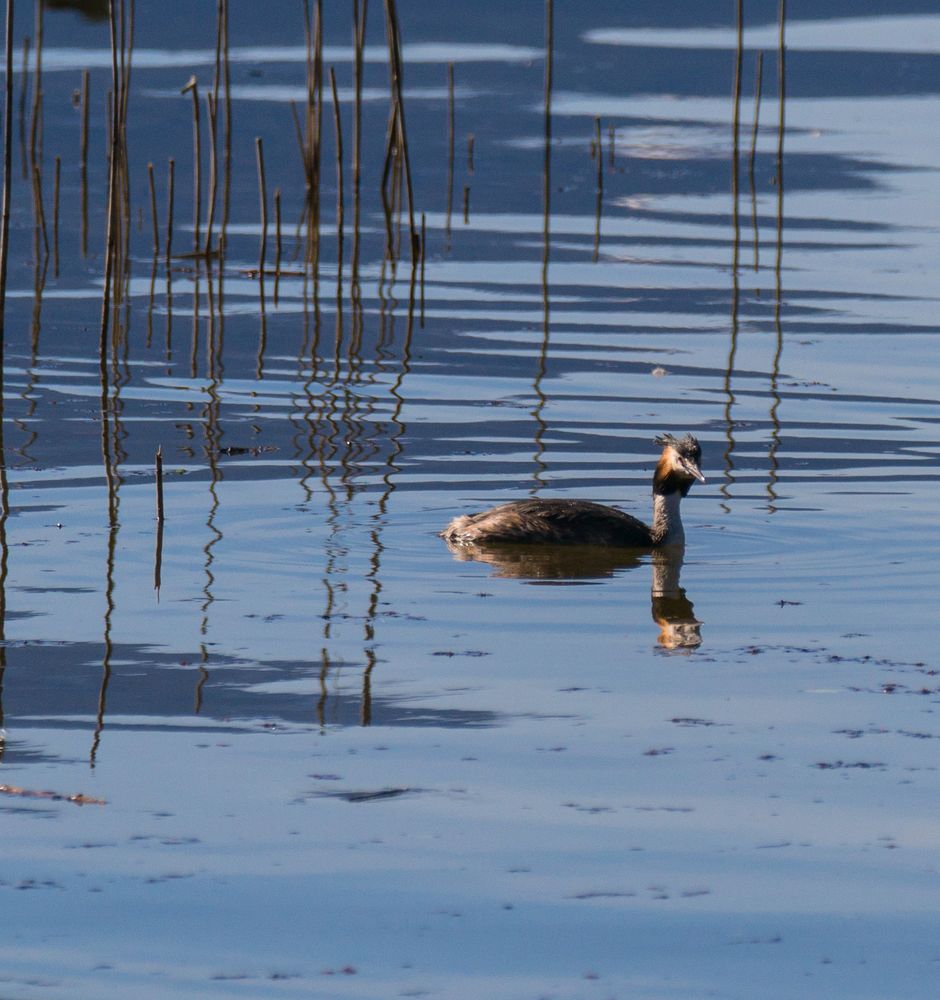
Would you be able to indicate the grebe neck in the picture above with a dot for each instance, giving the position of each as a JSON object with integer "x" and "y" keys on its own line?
{"x": 667, "y": 523}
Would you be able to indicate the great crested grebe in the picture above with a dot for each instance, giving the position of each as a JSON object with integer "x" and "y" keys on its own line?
{"x": 580, "y": 522}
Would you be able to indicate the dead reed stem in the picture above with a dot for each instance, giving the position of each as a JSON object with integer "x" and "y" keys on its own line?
{"x": 192, "y": 87}
{"x": 547, "y": 153}
{"x": 117, "y": 271}
{"x": 313, "y": 123}
{"x": 114, "y": 148}
{"x": 127, "y": 47}
{"x": 263, "y": 196}
{"x": 390, "y": 148}
{"x": 398, "y": 197}
{"x": 112, "y": 181}
{"x": 736, "y": 139}
{"x": 359, "y": 35}
{"x": 160, "y": 512}
{"x": 393, "y": 34}
{"x": 211, "y": 114}
{"x": 340, "y": 207}
{"x": 35, "y": 130}
{"x": 781, "y": 131}
{"x": 171, "y": 164}
{"x": 219, "y": 42}
{"x": 158, "y": 560}
{"x": 153, "y": 210}
{"x": 158, "y": 553}
{"x": 40, "y": 212}
{"x": 227, "y": 134}
{"x": 782, "y": 91}
{"x": 299, "y": 135}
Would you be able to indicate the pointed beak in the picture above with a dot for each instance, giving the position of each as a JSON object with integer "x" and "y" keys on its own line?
{"x": 693, "y": 470}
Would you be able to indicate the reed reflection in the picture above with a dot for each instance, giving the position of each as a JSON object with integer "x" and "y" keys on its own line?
{"x": 773, "y": 461}
{"x": 450, "y": 152}
{"x": 4, "y": 565}
{"x": 359, "y": 36}
{"x": 111, "y": 455}
{"x": 27, "y": 423}
{"x": 671, "y": 610}
{"x": 4, "y": 253}
{"x": 758, "y": 86}
{"x": 597, "y": 153}
{"x": 538, "y": 461}
{"x": 725, "y": 487}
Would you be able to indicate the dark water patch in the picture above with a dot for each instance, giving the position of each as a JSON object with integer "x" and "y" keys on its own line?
{"x": 604, "y": 894}
{"x": 52, "y": 590}
{"x": 665, "y": 809}
{"x": 861, "y": 765}
{"x": 142, "y": 689}
{"x": 371, "y": 795}
{"x": 15, "y": 751}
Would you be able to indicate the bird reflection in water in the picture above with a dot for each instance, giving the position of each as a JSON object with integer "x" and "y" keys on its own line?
{"x": 570, "y": 564}
{"x": 671, "y": 609}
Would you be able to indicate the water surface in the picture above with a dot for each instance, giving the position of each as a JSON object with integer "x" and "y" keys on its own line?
{"x": 334, "y": 758}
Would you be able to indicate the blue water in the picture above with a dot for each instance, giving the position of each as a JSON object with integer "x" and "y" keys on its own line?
{"x": 328, "y": 757}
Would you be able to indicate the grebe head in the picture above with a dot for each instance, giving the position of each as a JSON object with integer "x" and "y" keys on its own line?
{"x": 678, "y": 465}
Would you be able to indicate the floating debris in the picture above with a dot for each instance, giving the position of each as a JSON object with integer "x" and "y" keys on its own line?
{"x": 30, "y": 793}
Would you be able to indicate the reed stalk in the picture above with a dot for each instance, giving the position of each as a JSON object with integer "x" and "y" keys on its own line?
{"x": 340, "y": 206}
{"x": 40, "y": 212}
{"x": 263, "y": 196}
{"x": 192, "y": 87}
{"x": 211, "y": 114}
{"x": 170, "y": 172}
{"x": 35, "y": 126}
{"x": 393, "y": 35}
{"x": 359, "y": 35}
{"x": 160, "y": 511}
{"x": 153, "y": 209}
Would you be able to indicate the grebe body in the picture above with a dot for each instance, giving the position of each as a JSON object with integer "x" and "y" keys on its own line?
{"x": 581, "y": 522}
